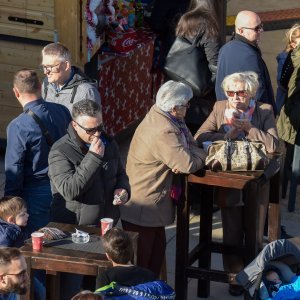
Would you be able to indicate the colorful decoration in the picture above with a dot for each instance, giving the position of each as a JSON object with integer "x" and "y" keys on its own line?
{"x": 91, "y": 16}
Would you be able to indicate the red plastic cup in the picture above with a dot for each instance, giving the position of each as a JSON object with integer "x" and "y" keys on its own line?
{"x": 37, "y": 240}
{"x": 106, "y": 224}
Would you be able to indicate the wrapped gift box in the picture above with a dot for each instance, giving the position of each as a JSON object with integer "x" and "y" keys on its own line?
{"x": 122, "y": 41}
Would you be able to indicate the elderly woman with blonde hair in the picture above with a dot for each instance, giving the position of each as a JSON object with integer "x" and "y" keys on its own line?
{"x": 161, "y": 147}
{"x": 238, "y": 117}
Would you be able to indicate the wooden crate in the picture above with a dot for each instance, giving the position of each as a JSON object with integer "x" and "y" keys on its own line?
{"x": 39, "y": 5}
{"x": 27, "y": 23}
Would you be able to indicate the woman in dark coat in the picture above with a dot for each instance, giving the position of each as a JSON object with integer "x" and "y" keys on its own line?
{"x": 200, "y": 20}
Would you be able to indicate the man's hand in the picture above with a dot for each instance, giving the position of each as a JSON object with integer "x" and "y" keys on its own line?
{"x": 175, "y": 171}
{"x": 97, "y": 146}
{"x": 120, "y": 196}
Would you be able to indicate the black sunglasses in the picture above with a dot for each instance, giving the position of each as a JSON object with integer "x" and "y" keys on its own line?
{"x": 257, "y": 28}
{"x": 91, "y": 131}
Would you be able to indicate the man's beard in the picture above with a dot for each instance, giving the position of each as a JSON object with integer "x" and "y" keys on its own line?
{"x": 15, "y": 288}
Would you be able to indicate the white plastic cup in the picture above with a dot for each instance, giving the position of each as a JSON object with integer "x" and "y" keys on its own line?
{"x": 37, "y": 240}
{"x": 106, "y": 224}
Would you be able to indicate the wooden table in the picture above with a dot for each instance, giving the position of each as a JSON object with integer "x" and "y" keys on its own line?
{"x": 250, "y": 183}
{"x": 55, "y": 260}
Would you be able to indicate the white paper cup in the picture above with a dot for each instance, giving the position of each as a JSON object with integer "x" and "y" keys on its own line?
{"x": 106, "y": 224}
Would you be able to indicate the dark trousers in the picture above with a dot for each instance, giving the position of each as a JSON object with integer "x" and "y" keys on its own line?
{"x": 151, "y": 246}
{"x": 238, "y": 222}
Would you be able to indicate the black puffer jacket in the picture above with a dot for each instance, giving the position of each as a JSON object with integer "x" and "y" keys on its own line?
{"x": 82, "y": 182}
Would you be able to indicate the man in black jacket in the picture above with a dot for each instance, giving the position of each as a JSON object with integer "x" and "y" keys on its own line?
{"x": 86, "y": 171}
{"x": 243, "y": 54}
{"x": 86, "y": 174}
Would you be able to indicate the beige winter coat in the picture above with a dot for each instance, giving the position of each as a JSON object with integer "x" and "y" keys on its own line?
{"x": 156, "y": 148}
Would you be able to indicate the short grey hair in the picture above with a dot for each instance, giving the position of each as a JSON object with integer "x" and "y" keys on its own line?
{"x": 250, "y": 79}
{"x": 59, "y": 50}
{"x": 173, "y": 93}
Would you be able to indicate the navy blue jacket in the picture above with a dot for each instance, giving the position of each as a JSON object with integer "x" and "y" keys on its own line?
{"x": 12, "y": 235}
{"x": 26, "y": 158}
{"x": 239, "y": 55}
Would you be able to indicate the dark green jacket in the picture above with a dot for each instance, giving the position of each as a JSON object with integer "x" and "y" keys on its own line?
{"x": 288, "y": 122}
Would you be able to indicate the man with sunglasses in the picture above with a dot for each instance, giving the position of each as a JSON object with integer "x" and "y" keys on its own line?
{"x": 243, "y": 54}
{"x": 14, "y": 278}
{"x": 86, "y": 171}
{"x": 64, "y": 83}
{"x": 86, "y": 175}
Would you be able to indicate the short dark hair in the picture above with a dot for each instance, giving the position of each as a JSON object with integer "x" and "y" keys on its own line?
{"x": 7, "y": 254}
{"x": 11, "y": 206}
{"x": 85, "y": 107}
{"x": 117, "y": 243}
{"x": 27, "y": 81}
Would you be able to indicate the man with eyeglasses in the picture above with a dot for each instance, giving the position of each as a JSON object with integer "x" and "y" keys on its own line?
{"x": 29, "y": 138}
{"x": 243, "y": 54}
{"x": 86, "y": 173}
{"x": 14, "y": 278}
{"x": 64, "y": 83}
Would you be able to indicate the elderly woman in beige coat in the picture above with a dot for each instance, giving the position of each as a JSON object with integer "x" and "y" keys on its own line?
{"x": 235, "y": 118}
{"x": 161, "y": 147}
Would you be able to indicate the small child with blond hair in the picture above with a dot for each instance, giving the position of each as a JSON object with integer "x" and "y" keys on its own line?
{"x": 13, "y": 221}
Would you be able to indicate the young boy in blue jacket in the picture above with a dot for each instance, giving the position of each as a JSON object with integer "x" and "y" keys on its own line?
{"x": 13, "y": 221}
{"x": 13, "y": 231}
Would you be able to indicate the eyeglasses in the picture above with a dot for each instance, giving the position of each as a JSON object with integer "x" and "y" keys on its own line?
{"x": 241, "y": 93}
{"x": 185, "y": 106}
{"x": 91, "y": 131}
{"x": 257, "y": 28}
{"x": 22, "y": 274}
{"x": 48, "y": 68}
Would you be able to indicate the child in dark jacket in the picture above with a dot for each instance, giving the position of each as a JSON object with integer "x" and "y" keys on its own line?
{"x": 118, "y": 248}
{"x": 125, "y": 280}
{"x": 13, "y": 231}
{"x": 13, "y": 221}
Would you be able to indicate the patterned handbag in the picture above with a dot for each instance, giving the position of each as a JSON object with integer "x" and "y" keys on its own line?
{"x": 235, "y": 155}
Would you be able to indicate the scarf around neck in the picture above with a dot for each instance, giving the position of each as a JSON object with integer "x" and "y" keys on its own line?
{"x": 231, "y": 113}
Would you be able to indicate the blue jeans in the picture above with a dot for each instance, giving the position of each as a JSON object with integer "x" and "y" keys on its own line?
{"x": 38, "y": 198}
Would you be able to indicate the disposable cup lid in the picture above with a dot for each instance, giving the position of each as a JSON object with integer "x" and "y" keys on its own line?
{"x": 107, "y": 220}
{"x": 37, "y": 234}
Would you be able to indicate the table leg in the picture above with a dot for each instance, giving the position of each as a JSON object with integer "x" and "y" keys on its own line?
{"x": 274, "y": 208}
{"x": 182, "y": 245}
{"x": 53, "y": 286}
{"x": 205, "y": 238}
